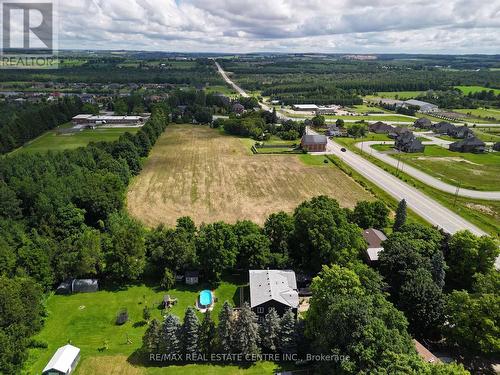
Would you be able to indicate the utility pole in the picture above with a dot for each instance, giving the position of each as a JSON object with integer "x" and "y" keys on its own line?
{"x": 456, "y": 194}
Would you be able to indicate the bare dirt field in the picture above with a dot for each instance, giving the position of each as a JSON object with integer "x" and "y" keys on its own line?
{"x": 199, "y": 172}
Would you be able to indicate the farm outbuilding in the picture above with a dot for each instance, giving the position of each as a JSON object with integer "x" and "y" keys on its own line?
{"x": 78, "y": 286}
{"x": 63, "y": 362}
{"x": 314, "y": 143}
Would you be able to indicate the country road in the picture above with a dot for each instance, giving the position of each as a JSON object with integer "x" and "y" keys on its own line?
{"x": 421, "y": 204}
{"x": 422, "y": 176}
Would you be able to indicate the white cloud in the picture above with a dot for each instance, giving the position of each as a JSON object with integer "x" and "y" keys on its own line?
{"x": 438, "y": 26}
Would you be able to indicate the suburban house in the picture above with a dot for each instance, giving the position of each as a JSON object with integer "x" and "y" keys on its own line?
{"x": 374, "y": 239}
{"x": 407, "y": 142}
{"x": 460, "y": 132}
{"x": 423, "y": 106}
{"x": 397, "y": 131}
{"x": 333, "y": 131}
{"x": 314, "y": 143}
{"x": 443, "y": 127}
{"x": 425, "y": 354}
{"x": 469, "y": 144}
{"x": 238, "y": 108}
{"x": 63, "y": 362}
{"x": 78, "y": 286}
{"x": 273, "y": 289}
{"x": 423, "y": 123}
{"x": 380, "y": 128}
{"x": 496, "y": 147}
{"x": 192, "y": 277}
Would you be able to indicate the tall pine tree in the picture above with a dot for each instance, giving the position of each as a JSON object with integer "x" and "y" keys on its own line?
{"x": 400, "y": 219}
{"x": 246, "y": 331}
{"x": 151, "y": 338}
{"x": 190, "y": 330}
{"x": 269, "y": 331}
{"x": 207, "y": 335}
{"x": 225, "y": 328}
{"x": 170, "y": 340}
{"x": 287, "y": 334}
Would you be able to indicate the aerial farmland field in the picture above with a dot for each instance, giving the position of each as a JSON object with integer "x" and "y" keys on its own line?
{"x": 199, "y": 172}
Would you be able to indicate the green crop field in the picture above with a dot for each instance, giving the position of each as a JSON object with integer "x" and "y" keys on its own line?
{"x": 472, "y": 89}
{"x": 53, "y": 141}
{"x": 480, "y": 112}
{"x": 88, "y": 321}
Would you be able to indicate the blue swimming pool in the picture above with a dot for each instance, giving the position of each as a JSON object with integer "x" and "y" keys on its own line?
{"x": 205, "y": 298}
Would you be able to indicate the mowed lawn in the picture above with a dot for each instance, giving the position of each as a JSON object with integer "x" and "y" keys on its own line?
{"x": 480, "y": 112}
{"x": 472, "y": 171}
{"x": 56, "y": 142}
{"x": 88, "y": 320}
{"x": 472, "y": 89}
{"x": 200, "y": 172}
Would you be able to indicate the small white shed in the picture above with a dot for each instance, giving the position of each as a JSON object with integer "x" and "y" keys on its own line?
{"x": 63, "y": 362}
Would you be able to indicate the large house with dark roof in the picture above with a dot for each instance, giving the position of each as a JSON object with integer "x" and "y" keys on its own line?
{"x": 469, "y": 144}
{"x": 423, "y": 123}
{"x": 407, "y": 142}
{"x": 443, "y": 127}
{"x": 314, "y": 143}
{"x": 374, "y": 239}
{"x": 460, "y": 132}
{"x": 380, "y": 128}
{"x": 273, "y": 289}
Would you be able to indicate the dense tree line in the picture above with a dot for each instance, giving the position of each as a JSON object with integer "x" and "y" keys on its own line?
{"x": 20, "y": 125}
{"x": 456, "y": 99}
{"x": 60, "y": 217}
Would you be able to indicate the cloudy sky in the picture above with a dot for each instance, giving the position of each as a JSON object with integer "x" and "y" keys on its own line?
{"x": 362, "y": 26}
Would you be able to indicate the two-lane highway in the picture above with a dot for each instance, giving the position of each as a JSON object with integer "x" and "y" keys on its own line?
{"x": 427, "y": 208}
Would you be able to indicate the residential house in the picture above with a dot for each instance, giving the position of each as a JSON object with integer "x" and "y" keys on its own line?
{"x": 374, "y": 239}
{"x": 63, "y": 362}
{"x": 460, "y": 132}
{"x": 469, "y": 144}
{"x": 380, "y": 128}
{"x": 397, "y": 131}
{"x": 407, "y": 142}
{"x": 425, "y": 354}
{"x": 496, "y": 147}
{"x": 273, "y": 289}
{"x": 333, "y": 131}
{"x": 423, "y": 123}
{"x": 238, "y": 108}
{"x": 443, "y": 127}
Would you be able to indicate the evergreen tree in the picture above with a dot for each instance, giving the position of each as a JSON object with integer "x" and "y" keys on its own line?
{"x": 190, "y": 331}
{"x": 247, "y": 331}
{"x": 400, "y": 219}
{"x": 207, "y": 335}
{"x": 287, "y": 333}
{"x": 269, "y": 331}
{"x": 146, "y": 313}
{"x": 169, "y": 342}
{"x": 151, "y": 338}
{"x": 225, "y": 328}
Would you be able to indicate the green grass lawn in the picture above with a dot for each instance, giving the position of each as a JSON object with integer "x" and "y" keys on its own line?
{"x": 401, "y": 95}
{"x": 56, "y": 142}
{"x": 472, "y": 89}
{"x": 87, "y": 320}
{"x": 472, "y": 171}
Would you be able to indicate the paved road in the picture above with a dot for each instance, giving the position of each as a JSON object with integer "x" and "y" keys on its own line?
{"x": 424, "y": 177}
{"x": 420, "y": 203}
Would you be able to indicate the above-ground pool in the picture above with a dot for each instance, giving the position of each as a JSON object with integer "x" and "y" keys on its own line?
{"x": 205, "y": 298}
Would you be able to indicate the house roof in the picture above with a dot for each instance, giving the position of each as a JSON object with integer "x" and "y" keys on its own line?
{"x": 423, "y": 121}
{"x": 424, "y": 353}
{"x": 63, "y": 359}
{"x": 273, "y": 285}
{"x": 374, "y": 237}
{"x": 373, "y": 253}
{"x": 470, "y": 141}
{"x": 314, "y": 139}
